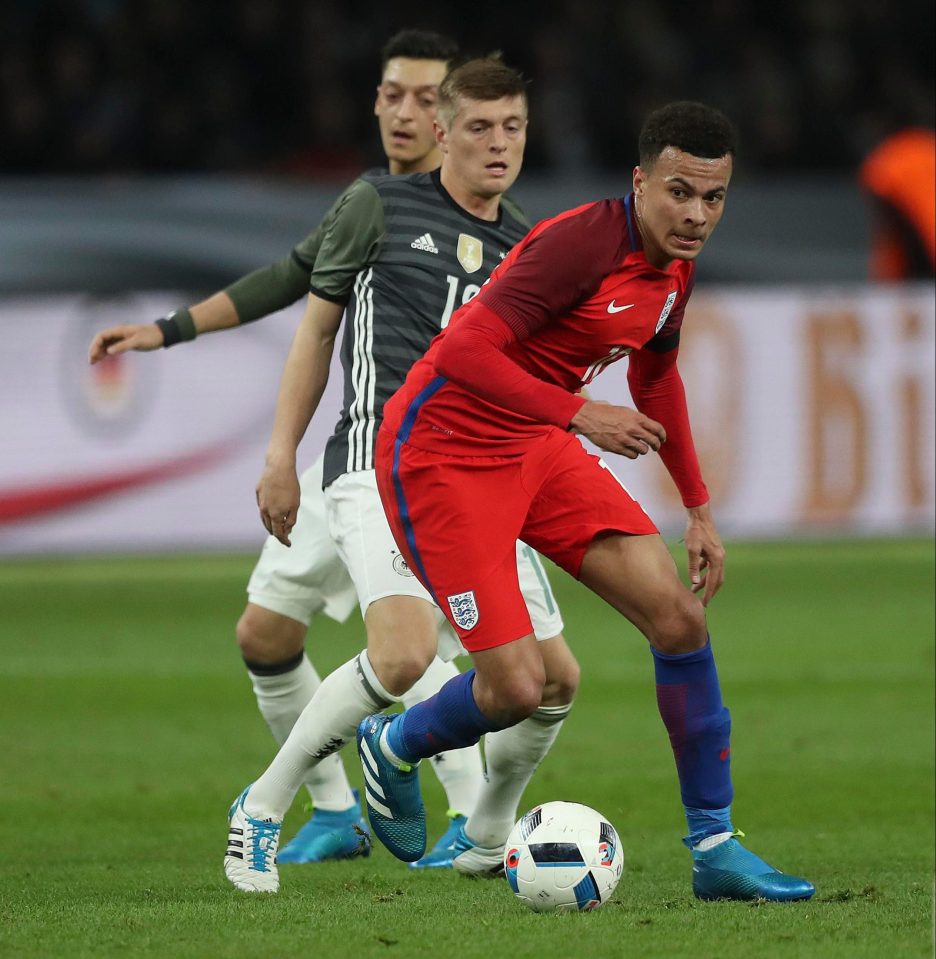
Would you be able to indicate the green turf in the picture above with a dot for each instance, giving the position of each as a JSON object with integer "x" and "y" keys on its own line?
{"x": 127, "y": 726}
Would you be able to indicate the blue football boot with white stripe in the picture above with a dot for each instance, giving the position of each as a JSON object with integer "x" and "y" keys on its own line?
{"x": 729, "y": 871}
{"x": 394, "y": 802}
{"x": 328, "y": 835}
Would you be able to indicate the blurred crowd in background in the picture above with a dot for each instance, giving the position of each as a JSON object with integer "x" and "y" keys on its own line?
{"x": 285, "y": 86}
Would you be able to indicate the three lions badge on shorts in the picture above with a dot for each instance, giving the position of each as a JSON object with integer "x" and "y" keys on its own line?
{"x": 464, "y": 609}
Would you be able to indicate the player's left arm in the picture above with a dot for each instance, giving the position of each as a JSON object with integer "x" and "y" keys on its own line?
{"x": 658, "y": 392}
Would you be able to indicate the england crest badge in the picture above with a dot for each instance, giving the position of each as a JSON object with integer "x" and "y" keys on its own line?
{"x": 664, "y": 316}
{"x": 464, "y": 609}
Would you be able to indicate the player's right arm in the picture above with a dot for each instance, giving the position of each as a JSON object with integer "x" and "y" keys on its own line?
{"x": 304, "y": 379}
{"x": 258, "y": 294}
{"x": 350, "y": 242}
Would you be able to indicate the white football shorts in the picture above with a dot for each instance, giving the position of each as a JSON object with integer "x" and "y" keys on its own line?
{"x": 364, "y": 542}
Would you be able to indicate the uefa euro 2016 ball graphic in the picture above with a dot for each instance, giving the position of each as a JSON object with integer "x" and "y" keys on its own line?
{"x": 563, "y": 856}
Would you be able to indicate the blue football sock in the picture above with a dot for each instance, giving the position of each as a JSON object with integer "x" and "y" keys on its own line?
{"x": 449, "y": 720}
{"x": 699, "y": 727}
{"x": 707, "y": 822}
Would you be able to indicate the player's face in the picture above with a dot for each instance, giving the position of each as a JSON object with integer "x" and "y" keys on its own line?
{"x": 484, "y": 145}
{"x": 679, "y": 201}
{"x": 405, "y": 110}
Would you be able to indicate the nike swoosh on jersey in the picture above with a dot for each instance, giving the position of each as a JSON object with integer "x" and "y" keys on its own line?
{"x": 618, "y": 309}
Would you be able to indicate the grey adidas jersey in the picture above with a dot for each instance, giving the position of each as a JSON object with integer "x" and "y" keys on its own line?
{"x": 403, "y": 256}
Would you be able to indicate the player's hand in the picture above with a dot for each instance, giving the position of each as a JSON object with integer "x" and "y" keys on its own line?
{"x": 706, "y": 553}
{"x": 618, "y": 429}
{"x": 120, "y": 339}
{"x": 278, "y": 500}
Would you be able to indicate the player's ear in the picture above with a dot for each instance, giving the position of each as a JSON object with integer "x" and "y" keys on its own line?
{"x": 441, "y": 137}
{"x": 639, "y": 179}
{"x": 377, "y": 101}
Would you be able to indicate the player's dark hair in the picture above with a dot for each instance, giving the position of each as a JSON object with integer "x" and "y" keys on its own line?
{"x": 691, "y": 127}
{"x": 484, "y": 78}
{"x": 419, "y": 45}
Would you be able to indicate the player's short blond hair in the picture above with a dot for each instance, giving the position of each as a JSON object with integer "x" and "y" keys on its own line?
{"x": 485, "y": 78}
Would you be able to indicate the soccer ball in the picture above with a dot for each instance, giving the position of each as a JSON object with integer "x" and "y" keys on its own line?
{"x": 563, "y": 856}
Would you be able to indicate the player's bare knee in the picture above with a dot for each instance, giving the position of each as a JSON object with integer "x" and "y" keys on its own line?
{"x": 561, "y": 670}
{"x": 681, "y": 628}
{"x": 515, "y": 697}
{"x": 398, "y": 666}
{"x": 399, "y": 676}
{"x": 561, "y": 683}
{"x": 402, "y": 640}
{"x": 251, "y": 643}
{"x": 266, "y": 637}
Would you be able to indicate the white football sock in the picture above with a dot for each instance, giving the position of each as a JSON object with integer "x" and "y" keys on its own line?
{"x": 459, "y": 770}
{"x": 511, "y": 757}
{"x": 329, "y": 720}
{"x": 281, "y": 699}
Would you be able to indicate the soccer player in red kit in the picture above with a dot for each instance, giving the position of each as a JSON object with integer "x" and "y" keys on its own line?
{"x": 479, "y": 448}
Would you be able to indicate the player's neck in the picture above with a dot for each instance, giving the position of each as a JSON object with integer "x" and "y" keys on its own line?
{"x": 655, "y": 256}
{"x": 426, "y": 164}
{"x": 483, "y": 207}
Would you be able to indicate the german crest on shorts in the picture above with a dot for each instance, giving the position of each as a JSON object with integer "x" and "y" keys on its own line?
{"x": 464, "y": 609}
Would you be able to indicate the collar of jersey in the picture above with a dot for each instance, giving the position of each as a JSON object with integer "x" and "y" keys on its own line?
{"x": 436, "y": 176}
{"x": 633, "y": 233}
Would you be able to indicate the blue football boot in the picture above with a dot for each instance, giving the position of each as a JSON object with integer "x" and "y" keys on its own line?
{"x": 394, "y": 803}
{"x": 729, "y": 871}
{"x": 329, "y": 835}
{"x": 442, "y": 853}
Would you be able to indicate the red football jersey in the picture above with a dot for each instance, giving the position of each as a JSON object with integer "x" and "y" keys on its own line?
{"x": 578, "y": 294}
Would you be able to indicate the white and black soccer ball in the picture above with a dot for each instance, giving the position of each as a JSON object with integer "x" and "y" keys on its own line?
{"x": 563, "y": 856}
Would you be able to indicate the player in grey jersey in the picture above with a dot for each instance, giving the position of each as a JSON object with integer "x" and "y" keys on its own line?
{"x": 400, "y": 282}
{"x": 289, "y": 587}
{"x": 397, "y": 252}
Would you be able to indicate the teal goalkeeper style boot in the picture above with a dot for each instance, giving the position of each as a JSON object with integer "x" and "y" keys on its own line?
{"x": 443, "y": 852}
{"x": 329, "y": 835}
{"x": 729, "y": 871}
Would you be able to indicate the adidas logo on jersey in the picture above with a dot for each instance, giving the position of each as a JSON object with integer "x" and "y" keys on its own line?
{"x": 425, "y": 244}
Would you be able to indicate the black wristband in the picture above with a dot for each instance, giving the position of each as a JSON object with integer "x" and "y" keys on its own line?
{"x": 177, "y": 327}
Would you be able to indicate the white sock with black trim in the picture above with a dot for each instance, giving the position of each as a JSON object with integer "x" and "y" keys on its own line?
{"x": 329, "y": 720}
{"x": 281, "y": 696}
{"x": 511, "y": 755}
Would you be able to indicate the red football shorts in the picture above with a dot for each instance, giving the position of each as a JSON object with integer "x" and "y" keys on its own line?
{"x": 457, "y": 519}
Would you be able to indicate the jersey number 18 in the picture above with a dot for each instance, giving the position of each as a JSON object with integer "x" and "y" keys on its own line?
{"x": 471, "y": 290}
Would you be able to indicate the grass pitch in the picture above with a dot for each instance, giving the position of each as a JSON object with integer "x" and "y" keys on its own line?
{"x": 127, "y": 726}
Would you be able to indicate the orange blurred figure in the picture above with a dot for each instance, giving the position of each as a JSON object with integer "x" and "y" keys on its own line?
{"x": 900, "y": 176}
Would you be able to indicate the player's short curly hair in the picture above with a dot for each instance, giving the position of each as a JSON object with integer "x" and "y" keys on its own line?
{"x": 419, "y": 45}
{"x": 484, "y": 78}
{"x": 689, "y": 126}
